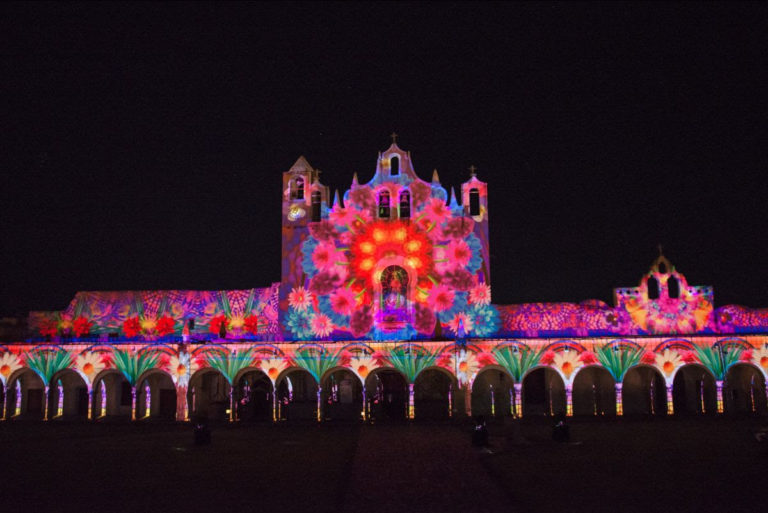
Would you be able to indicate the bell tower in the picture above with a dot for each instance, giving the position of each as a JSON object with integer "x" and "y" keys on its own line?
{"x": 474, "y": 200}
{"x": 305, "y": 200}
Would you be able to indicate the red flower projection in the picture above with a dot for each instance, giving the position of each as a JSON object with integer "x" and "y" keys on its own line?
{"x": 361, "y": 321}
{"x": 648, "y": 357}
{"x": 131, "y": 327}
{"x": 217, "y": 323}
{"x": 384, "y": 239}
{"x": 165, "y": 325}
{"x": 547, "y": 358}
{"x": 588, "y": 358}
{"x": 689, "y": 357}
{"x": 425, "y": 319}
{"x": 49, "y": 327}
{"x": 251, "y": 324}
{"x": 81, "y": 326}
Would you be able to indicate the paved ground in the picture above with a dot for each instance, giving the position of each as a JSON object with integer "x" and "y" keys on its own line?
{"x": 420, "y": 467}
{"x": 673, "y": 465}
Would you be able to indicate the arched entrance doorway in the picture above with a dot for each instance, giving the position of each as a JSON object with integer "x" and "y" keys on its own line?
{"x": 433, "y": 394}
{"x": 386, "y": 392}
{"x": 393, "y": 301}
{"x": 156, "y": 396}
{"x": 67, "y": 396}
{"x": 25, "y": 396}
{"x": 111, "y": 395}
{"x": 543, "y": 392}
{"x": 342, "y": 395}
{"x": 254, "y": 396}
{"x": 297, "y": 395}
{"x": 593, "y": 392}
{"x": 644, "y": 391}
{"x": 208, "y": 396}
{"x": 491, "y": 393}
{"x": 694, "y": 391}
{"x": 744, "y": 390}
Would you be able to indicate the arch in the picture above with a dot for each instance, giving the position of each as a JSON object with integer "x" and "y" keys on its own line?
{"x": 394, "y": 165}
{"x": 358, "y": 346}
{"x": 434, "y": 390}
{"x": 316, "y": 202}
{"x": 208, "y": 395}
{"x": 297, "y": 188}
{"x": 383, "y": 202}
{"x": 653, "y": 288}
{"x": 162, "y": 395}
{"x": 491, "y": 392}
{"x": 593, "y": 392}
{"x": 393, "y": 291}
{"x": 26, "y": 386}
{"x": 644, "y": 391}
{"x": 673, "y": 288}
{"x": 405, "y": 204}
{"x": 543, "y": 392}
{"x": 386, "y": 393}
{"x": 296, "y": 391}
{"x": 745, "y": 390}
{"x": 693, "y": 390}
{"x": 474, "y": 201}
{"x": 342, "y": 394}
{"x": 254, "y": 394}
{"x": 111, "y": 386}
{"x": 74, "y": 398}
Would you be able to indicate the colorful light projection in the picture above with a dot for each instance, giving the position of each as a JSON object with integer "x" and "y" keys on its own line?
{"x": 164, "y": 316}
{"x": 396, "y": 262}
{"x": 564, "y": 359}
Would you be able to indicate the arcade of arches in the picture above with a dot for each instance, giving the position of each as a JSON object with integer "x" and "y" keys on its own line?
{"x": 439, "y": 381}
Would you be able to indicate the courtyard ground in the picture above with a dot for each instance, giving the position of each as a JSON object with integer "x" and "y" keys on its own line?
{"x": 700, "y": 464}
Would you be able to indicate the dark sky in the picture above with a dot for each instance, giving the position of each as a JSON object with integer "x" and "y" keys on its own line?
{"x": 142, "y": 145}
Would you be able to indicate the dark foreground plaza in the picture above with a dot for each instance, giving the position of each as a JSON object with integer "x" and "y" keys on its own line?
{"x": 678, "y": 464}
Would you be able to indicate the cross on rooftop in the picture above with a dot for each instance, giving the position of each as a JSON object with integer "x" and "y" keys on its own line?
{"x": 393, "y": 135}
{"x": 472, "y": 170}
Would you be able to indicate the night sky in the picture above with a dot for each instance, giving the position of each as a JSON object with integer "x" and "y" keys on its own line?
{"x": 142, "y": 146}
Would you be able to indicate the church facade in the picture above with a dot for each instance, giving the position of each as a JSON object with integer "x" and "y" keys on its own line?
{"x": 384, "y": 310}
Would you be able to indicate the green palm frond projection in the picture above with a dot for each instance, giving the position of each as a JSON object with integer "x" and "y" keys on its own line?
{"x": 717, "y": 363}
{"x": 517, "y": 362}
{"x": 617, "y": 360}
{"x": 46, "y": 363}
{"x": 410, "y": 361}
{"x": 317, "y": 362}
{"x": 230, "y": 363}
{"x": 134, "y": 365}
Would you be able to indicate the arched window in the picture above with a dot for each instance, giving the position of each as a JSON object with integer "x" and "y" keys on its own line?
{"x": 297, "y": 189}
{"x": 384, "y": 204}
{"x": 673, "y": 287}
{"x": 474, "y": 202}
{"x": 393, "y": 298}
{"x": 316, "y": 199}
{"x": 394, "y": 166}
{"x": 405, "y": 205}
{"x": 653, "y": 288}
{"x": 662, "y": 268}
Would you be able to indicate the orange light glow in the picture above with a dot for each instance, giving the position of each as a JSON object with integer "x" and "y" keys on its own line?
{"x": 414, "y": 262}
{"x": 367, "y": 247}
{"x": 379, "y": 235}
{"x": 412, "y": 246}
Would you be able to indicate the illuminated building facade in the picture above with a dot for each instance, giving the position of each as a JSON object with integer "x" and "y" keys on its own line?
{"x": 384, "y": 310}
